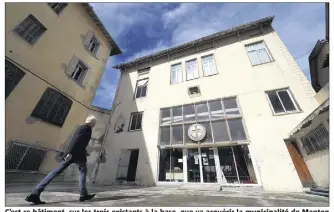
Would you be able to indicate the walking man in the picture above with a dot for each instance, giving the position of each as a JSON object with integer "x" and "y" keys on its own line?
{"x": 76, "y": 153}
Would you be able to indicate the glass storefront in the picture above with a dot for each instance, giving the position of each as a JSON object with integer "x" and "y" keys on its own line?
{"x": 213, "y": 159}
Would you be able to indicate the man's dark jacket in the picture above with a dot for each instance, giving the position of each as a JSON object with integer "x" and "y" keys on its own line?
{"x": 78, "y": 144}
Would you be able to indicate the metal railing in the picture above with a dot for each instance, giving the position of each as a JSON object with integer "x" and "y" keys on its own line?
{"x": 24, "y": 157}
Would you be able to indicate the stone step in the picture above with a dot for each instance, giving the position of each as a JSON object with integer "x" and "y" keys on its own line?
{"x": 318, "y": 193}
{"x": 322, "y": 190}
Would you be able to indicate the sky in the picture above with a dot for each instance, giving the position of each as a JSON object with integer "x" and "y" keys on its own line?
{"x": 140, "y": 29}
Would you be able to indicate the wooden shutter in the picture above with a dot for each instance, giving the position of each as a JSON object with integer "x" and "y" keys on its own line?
{"x": 71, "y": 66}
{"x": 86, "y": 77}
{"x": 99, "y": 51}
{"x": 88, "y": 38}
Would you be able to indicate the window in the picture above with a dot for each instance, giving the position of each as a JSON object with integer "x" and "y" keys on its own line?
{"x": 141, "y": 88}
{"x": 209, "y": 67}
{"x": 78, "y": 71}
{"x": 171, "y": 165}
{"x": 258, "y": 53}
{"x": 13, "y": 76}
{"x": 316, "y": 140}
{"x": 192, "y": 71}
{"x": 135, "y": 121}
{"x": 221, "y": 118}
{"x": 176, "y": 73}
{"x": 92, "y": 44}
{"x": 57, "y": 7}
{"x": 24, "y": 157}
{"x": 30, "y": 29}
{"x": 194, "y": 91}
{"x": 282, "y": 102}
{"x": 53, "y": 107}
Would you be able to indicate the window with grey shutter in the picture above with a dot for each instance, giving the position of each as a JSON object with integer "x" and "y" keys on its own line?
{"x": 57, "y": 7}
{"x": 78, "y": 71}
{"x": 13, "y": 76}
{"x": 30, "y": 29}
{"x": 52, "y": 107}
{"x": 92, "y": 44}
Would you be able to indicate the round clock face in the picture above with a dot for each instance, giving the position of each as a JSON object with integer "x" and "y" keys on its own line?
{"x": 196, "y": 132}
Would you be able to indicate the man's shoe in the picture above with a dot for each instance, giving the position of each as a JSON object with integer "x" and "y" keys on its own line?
{"x": 34, "y": 198}
{"x": 86, "y": 197}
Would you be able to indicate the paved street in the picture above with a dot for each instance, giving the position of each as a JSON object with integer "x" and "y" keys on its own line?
{"x": 67, "y": 196}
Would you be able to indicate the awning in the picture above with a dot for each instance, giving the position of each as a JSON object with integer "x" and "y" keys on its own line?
{"x": 308, "y": 120}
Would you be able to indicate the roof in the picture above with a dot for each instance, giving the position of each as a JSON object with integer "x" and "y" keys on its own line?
{"x": 115, "y": 49}
{"x": 267, "y": 20}
{"x": 317, "y": 48}
{"x": 313, "y": 64}
{"x": 308, "y": 120}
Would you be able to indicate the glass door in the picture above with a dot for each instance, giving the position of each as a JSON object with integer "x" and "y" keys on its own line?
{"x": 208, "y": 165}
{"x": 201, "y": 166}
{"x": 193, "y": 166}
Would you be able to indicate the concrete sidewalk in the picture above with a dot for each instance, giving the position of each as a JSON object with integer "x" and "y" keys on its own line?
{"x": 66, "y": 195}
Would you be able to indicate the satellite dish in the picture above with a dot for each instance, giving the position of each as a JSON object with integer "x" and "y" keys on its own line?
{"x": 119, "y": 124}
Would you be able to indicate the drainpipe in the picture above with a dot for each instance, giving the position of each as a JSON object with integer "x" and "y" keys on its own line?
{"x": 102, "y": 145}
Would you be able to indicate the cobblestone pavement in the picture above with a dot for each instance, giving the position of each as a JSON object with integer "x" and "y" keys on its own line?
{"x": 115, "y": 196}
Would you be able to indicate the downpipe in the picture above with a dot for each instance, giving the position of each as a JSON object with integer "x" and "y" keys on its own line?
{"x": 97, "y": 166}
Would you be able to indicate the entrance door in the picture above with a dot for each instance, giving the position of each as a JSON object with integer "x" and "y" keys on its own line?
{"x": 201, "y": 166}
{"x": 133, "y": 165}
{"x": 301, "y": 168}
{"x": 127, "y": 165}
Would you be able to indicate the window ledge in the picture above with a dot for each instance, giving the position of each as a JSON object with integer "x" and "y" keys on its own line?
{"x": 287, "y": 113}
{"x": 140, "y": 98}
{"x": 263, "y": 63}
{"x": 211, "y": 75}
{"x": 134, "y": 130}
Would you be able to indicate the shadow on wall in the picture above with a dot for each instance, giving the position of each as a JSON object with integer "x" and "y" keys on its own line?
{"x": 125, "y": 165}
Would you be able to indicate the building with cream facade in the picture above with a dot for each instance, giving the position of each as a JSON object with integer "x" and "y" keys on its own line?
{"x": 56, "y": 54}
{"x": 214, "y": 111}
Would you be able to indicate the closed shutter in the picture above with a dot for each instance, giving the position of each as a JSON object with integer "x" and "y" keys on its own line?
{"x": 88, "y": 38}
{"x": 71, "y": 66}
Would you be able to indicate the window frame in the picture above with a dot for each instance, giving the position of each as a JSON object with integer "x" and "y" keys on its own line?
{"x": 179, "y": 63}
{"x": 311, "y": 133}
{"x": 83, "y": 73}
{"x": 266, "y": 48}
{"x": 32, "y": 18}
{"x": 97, "y": 45}
{"x": 210, "y": 120}
{"x": 185, "y": 63}
{"x": 214, "y": 63}
{"x": 130, "y": 121}
{"x": 292, "y": 98}
{"x": 46, "y": 118}
{"x": 62, "y": 9}
{"x": 135, "y": 93}
{"x": 20, "y": 72}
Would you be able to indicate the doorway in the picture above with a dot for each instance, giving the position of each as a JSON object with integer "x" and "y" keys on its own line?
{"x": 201, "y": 165}
{"x": 127, "y": 165}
